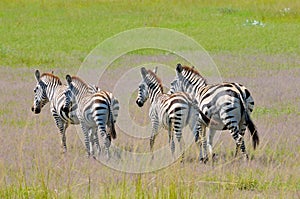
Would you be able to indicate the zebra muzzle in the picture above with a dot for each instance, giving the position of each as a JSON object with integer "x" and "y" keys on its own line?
{"x": 139, "y": 103}
{"x": 35, "y": 110}
{"x": 66, "y": 110}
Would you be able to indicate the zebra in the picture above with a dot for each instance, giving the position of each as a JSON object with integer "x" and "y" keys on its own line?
{"x": 173, "y": 112}
{"x": 49, "y": 88}
{"x": 228, "y": 105}
{"x": 95, "y": 111}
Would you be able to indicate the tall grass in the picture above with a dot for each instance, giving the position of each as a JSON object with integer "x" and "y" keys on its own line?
{"x": 59, "y": 34}
{"x": 31, "y": 165}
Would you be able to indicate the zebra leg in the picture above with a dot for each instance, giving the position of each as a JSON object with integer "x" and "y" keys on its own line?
{"x": 153, "y": 135}
{"x": 203, "y": 148}
{"x": 63, "y": 138}
{"x": 199, "y": 144}
{"x": 91, "y": 142}
{"x": 171, "y": 138}
{"x": 106, "y": 140}
{"x": 237, "y": 137}
{"x": 181, "y": 146}
{"x": 172, "y": 146}
{"x": 210, "y": 139}
{"x": 96, "y": 141}
{"x": 243, "y": 147}
{"x": 196, "y": 131}
{"x": 62, "y": 126}
{"x": 199, "y": 131}
{"x": 178, "y": 134}
{"x": 86, "y": 133}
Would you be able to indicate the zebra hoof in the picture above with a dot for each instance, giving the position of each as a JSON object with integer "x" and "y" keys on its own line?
{"x": 215, "y": 157}
{"x": 63, "y": 150}
{"x": 94, "y": 157}
{"x": 87, "y": 155}
{"x": 204, "y": 160}
{"x": 246, "y": 157}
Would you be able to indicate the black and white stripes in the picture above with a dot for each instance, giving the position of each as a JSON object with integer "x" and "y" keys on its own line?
{"x": 228, "y": 105}
{"x": 95, "y": 111}
{"x": 190, "y": 102}
{"x": 173, "y": 111}
{"x": 50, "y": 89}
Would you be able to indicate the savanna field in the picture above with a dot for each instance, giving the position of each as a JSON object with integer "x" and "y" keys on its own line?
{"x": 255, "y": 43}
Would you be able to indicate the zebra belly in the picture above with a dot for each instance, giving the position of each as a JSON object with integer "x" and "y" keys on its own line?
{"x": 216, "y": 122}
{"x": 223, "y": 117}
{"x": 73, "y": 119}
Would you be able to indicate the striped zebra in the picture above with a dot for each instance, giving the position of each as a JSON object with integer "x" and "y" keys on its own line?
{"x": 228, "y": 105}
{"x": 95, "y": 111}
{"x": 49, "y": 88}
{"x": 173, "y": 112}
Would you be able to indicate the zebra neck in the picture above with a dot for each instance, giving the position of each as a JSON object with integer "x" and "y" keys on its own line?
{"x": 81, "y": 94}
{"x": 50, "y": 91}
{"x": 194, "y": 89}
{"x": 154, "y": 94}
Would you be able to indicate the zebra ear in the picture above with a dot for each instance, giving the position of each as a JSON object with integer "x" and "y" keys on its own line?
{"x": 37, "y": 75}
{"x": 179, "y": 68}
{"x": 69, "y": 79}
{"x": 144, "y": 72}
{"x": 155, "y": 70}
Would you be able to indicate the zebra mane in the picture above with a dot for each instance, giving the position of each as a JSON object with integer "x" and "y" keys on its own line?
{"x": 79, "y": 81}
{"x": 157, "y": 79}
{"x": 51, "y": 76}
{"x": 192, "y": 70}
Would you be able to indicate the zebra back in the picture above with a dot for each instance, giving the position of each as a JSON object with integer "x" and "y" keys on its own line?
{"x": 191, "y": 81}
{"x": 90, "y": 97}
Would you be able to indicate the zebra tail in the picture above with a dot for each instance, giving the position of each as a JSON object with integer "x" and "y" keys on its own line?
{"x": 252, "y": 129}
{"x": 112, "y": 124}
{"x": 203, "y": 117}
{"x": 249, "y": 123}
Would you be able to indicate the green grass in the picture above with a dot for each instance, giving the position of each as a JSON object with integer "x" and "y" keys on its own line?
{"x": 62, "y": 33}
{"x": 249, "y": 182}
{"x": 276, "y": 111}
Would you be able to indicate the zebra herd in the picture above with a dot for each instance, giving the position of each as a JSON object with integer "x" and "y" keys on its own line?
{"x": 190, "y": 102}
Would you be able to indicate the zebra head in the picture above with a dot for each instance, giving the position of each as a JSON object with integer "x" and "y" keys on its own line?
{"x": 40, "y": 96}
{"x": 143, "y": 92}
{"x": 176, "y": 84}
{"x": 68, "y": 101}
{"x": 69, "y": 95}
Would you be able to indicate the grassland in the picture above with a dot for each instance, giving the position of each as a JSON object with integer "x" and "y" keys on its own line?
{"x": 64, "y": 32}
{"x": 58, "y": 35}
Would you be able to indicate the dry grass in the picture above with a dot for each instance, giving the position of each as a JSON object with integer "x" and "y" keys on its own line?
{"x": 31, "y": 165}
{"x": 59, "y": 35}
